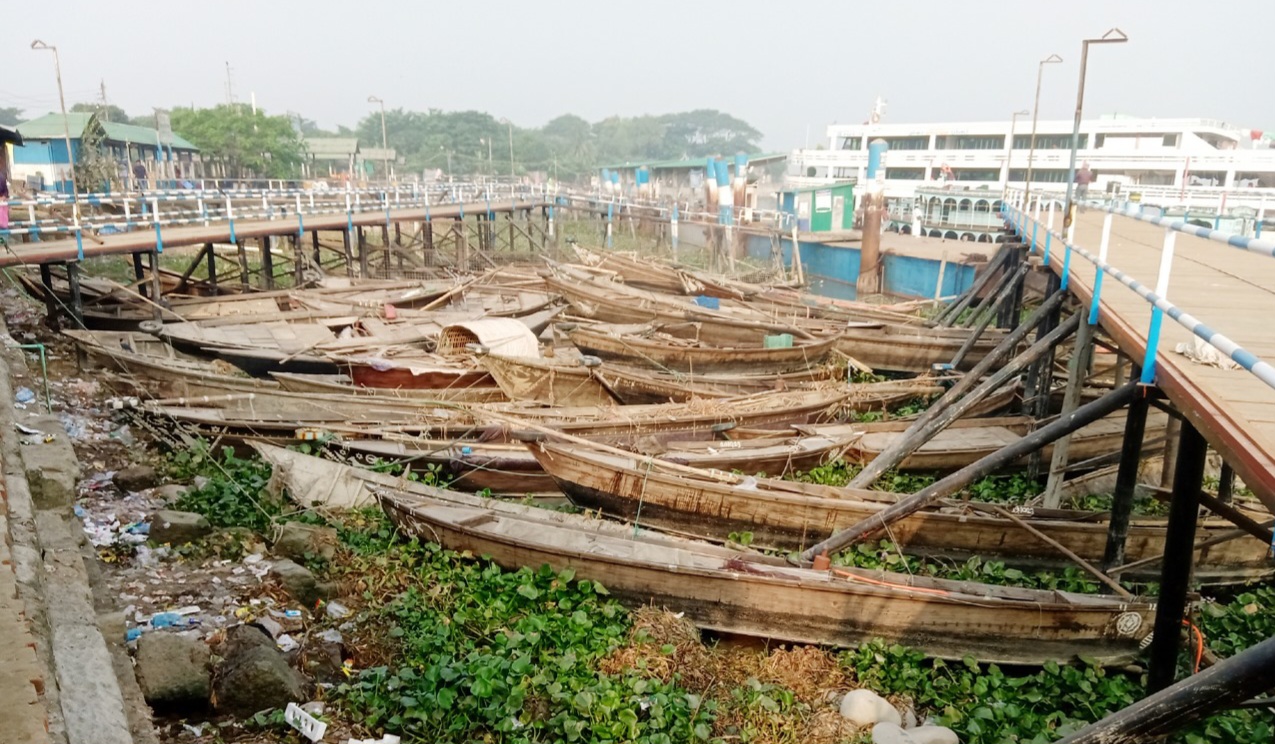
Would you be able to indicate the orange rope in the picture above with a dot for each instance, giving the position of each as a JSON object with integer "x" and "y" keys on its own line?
{"x": 1199, "y": 644}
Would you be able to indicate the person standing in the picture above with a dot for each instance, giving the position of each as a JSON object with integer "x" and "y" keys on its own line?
{"x": 1084, "y": 177}
{"x": 139, "y": 175}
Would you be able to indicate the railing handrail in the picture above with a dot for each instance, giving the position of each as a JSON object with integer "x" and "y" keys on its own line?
{"x": 1021, "y": 215}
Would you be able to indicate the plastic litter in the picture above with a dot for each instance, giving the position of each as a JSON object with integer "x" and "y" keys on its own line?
{"x": 387, "y": 739}
{"x": 132, "y": 634}
{"x": 337, "y": 610}
{"x": 22, "y": 429}
{"x": 309, "y": 726}
{"x": 24, "y": 395}
{"x": 287, "y": 643}
{"x": 331, "y": 635}
{"x": 166, "y": 620}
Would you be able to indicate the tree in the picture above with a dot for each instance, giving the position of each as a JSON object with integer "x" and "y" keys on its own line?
{"x": 106, "y": 113}
{"x": 10, "y": 116}
{"x": 248, "y": 144}
{"x": 704, "y": 132}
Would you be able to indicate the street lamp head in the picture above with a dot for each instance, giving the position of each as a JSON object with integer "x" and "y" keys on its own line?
{"x": 37, "y": 44}
{"x": 374, "y": 99}
{"x": 1051, "y": 60}
{"x": 1024, "y": 112}
{"x": 1113, "y": 36}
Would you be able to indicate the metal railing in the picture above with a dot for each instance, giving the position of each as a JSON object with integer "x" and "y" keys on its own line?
{"x": 1028, "y": 215}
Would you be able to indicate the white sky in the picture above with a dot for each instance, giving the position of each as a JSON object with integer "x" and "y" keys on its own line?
{"x": 786, "y": 67}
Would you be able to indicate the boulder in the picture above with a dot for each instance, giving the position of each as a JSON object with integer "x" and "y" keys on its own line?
{"x": 254, "y": 676}
{"x": 298, "y": 582}
{"x": 177, "y": 527}
{"x": 298, "y": 540}
{"x": 172, "y": 670}
{"x": 136, "y": 478}
{"x": 865, "y": 707}
{"x": 934, "y": 735}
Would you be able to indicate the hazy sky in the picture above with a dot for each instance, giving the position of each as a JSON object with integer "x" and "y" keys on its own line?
{"x": 786, "y": 67}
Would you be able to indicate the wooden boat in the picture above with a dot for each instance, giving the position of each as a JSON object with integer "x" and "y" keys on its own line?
{"x": 737, "y": 592}
{"x": 650, "y": 347}
{"x": 559, "y": 381}
{"x": 277, "y": 416}
{"x": 473, "y": 464}
{"x": 971, "y": 439}
{"x": 344, "y": 385}
{"x": 645, "y": 273}
{"x": 794, "y": 516}
{"x": 879, "y": 345}
{"x": 153, "y": 368}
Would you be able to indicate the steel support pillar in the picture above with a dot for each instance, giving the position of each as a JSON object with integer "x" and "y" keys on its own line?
{"x": 1179, "y": 554}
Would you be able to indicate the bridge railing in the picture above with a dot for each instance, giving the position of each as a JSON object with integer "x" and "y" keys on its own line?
{"x": 1026, "y": 217}
{"x": 177, "y": 207}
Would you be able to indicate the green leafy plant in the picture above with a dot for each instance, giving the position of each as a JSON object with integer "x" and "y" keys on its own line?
{"x": 235, "y": 493}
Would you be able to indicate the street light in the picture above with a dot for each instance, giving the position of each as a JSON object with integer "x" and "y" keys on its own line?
{"x": 510, "y": 124}
{"x": 1113, "y": 36}
{"x": 385, "y": 145}
{"x": 1009, "y": 152}
{"x": 1031, "y": 150}
{"x": 487, "y": 141}
{"x": 66, "y": 130}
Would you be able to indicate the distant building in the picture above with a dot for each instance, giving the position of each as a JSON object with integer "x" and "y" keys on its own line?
{"x": 373, "y": 161}
{"x": 43, "y": 162}
{"x": 1125, "y": 153}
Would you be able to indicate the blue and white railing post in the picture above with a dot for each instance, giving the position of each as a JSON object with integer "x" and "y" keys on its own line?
{"x": 230, "y": 217}
{"x": 1157, "y": 315}
{"x": 349, "y": 215}
{"x": 672, "y": 228}
{"x": 1261, "y": 217}
{"x": 610, "y": 217}
{"x": 1103, "y": 246}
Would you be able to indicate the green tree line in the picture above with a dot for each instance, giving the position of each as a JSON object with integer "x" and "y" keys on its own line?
{"x": 459, "y": 142}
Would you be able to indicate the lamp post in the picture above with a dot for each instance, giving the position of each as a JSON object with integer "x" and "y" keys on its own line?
{"x": 1113, "y": 36}
{"x": 385, "y": 145}
{"x": 487, "y": 141}
{"x": 1031, "y": 150}
{"x": 66, "y": 130}
{"x": 449, "y": 162}
{"x": 510, "y": 124}
{"x": 1009, "y": 151}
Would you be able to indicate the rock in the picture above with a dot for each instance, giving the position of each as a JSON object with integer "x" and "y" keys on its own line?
{"x": 298, "y": 540}
{"x": 254, "y": 675}
{"x": 910, "y": 721}
{"x": 50, "y": 464}
{"x": 136, "y": 478}
{"x": 299, "y": 582}
{"x": 933, "y": 735}
{"x": 890, "y": 733}
{"x": 172, "y": 670}
{"x": 177, "y": 527}
{"x": 170, "y": 492}
{"x": 865, "y": 707}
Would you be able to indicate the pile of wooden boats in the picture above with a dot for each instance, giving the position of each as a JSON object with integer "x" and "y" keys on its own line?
{"x": 668, "y": 406}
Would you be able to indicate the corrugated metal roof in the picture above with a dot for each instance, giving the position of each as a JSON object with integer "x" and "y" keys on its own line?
{"x": 376, "y": 153}
{"x": 331, "y": 148}
{"x": 50, "y": 126}
{"x": 9, "y": 134}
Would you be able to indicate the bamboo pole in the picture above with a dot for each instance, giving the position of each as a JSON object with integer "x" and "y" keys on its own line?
{"x": 952, "y": 406}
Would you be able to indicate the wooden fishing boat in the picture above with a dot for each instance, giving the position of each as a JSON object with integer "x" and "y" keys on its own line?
{"x": 473, "y": 464}
{"x": 277, "y": 415}
{"x": 794, "y": 516}
{"x": 898, "y": 348}
{"x": 645, "y": 273}
{"x": 344, "y": 385}
{"x": 971, "y": 439}
{"x": 650, "y": 347}
{"x": 738, "y": 592}
{"x": 560, "y": 381}
{"x": 153, "y": 368}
